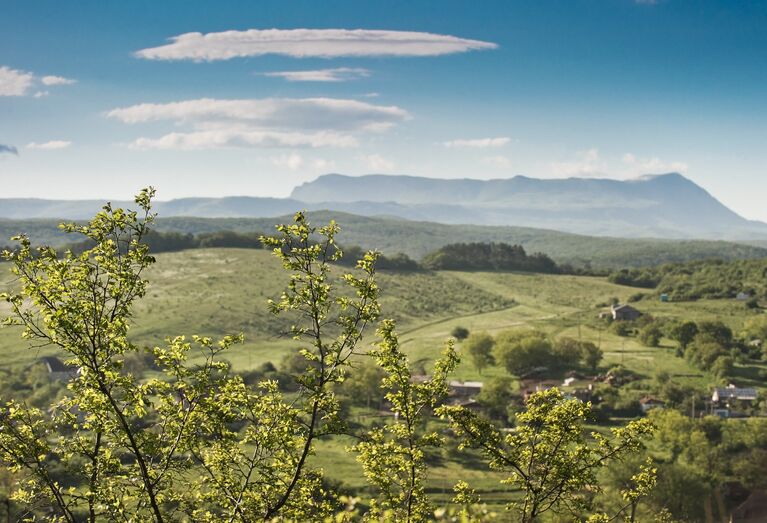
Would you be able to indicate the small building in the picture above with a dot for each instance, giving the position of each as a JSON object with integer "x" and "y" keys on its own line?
{"x": 56, "y": 368}
{"x": 648, "y": 403}
{"x": 743, "y": 296}
{"x": 731, "y": 392}
{"x": 664, "y": 297}
{"x": 624, "y": 313}
{"x": 755, "y": 343}
{"x": 465, "y": 389}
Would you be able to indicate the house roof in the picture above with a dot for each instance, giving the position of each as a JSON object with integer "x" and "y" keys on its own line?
{"x": 649, "y": 399}
{"x": 735, "y": 393}
{"x": 54, "y": 364}
{"x": 468, "y": 384}
{"x": 624, "y": 308}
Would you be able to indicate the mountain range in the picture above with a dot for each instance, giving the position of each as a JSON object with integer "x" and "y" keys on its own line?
{"x": 652, "y": 206}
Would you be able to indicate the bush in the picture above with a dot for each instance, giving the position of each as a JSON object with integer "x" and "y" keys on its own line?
{"x": 460, "y": 333}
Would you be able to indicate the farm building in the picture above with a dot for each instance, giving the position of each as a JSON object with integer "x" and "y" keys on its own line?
{"x": 624, "y": 313}
{"x": 731, "y": 392}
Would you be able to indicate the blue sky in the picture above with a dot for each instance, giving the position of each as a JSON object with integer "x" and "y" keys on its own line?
{"x": 100, "y": 98}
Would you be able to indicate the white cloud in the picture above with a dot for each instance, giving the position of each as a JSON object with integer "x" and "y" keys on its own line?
{"x": 338, "y": 74}
{"x": 498, "y": 161}
{"x": 41, "y": 94}
{"x": 14, "y": 82}
{"x": 220, "y": 138}
{"x": 301, "y": 43}
{"x": 478, "y": 143}
{"x": 653, "y": 165}
{"x": 52, "y": 145}
{"x": 56, "y": 80}
{"x": 268, "y": 122}
{"x": 321, "y": 164}
{"x": 283, "y": 113}
{"x": 377, "y": 163}
{"x": 292, "y": 161}
{"x": 586, "y": 163}
{"x": 8, "y": 149}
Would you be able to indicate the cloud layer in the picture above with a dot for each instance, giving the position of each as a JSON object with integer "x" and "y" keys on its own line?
{"x": 14, "y": 82}
{"x": 478, "y": 143}
{"x": 338, "y": 74}
{"x": 49, "y": 146}
{"x": 301, "y": 43}
{"x": 267, "y": 122}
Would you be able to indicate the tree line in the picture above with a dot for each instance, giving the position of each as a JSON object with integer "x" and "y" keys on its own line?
{"x": 709, "y": 279}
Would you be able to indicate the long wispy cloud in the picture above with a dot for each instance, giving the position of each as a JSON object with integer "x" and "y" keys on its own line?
{"x": 302, "y": 43}
{"x": 477, "y": 143}
{"x": 267, "y": 122}
{"x": 49, "y": 146}
{"x": 14, "y": 82}
{"x": 337, "y": 74}
{"x": 8, "y": 149}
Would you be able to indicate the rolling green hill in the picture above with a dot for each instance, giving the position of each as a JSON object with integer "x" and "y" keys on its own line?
{"x": 416, "y": 239}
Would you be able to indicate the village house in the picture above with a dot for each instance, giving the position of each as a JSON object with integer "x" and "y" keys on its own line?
{"x": 731, "y": 392}
{"x": 465, "y": 389}
{"x": 56, "y": 368}
{"x": 624, "y": 313}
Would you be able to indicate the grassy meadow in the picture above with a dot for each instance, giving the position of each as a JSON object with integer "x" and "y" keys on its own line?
{"x": 214, "y": 292}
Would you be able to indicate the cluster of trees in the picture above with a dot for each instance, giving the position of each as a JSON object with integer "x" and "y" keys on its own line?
{"x": 708, "y": 279}
{"x": 196, "y": 441}
{"x": 700, "y": 457}
{"x": 521, "y": 352}
{"x": 488, "y": 257}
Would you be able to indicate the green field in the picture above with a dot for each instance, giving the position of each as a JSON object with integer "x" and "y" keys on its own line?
{"x": 214, "y": 292}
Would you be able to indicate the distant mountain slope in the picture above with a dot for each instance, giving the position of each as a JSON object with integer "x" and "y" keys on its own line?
{"x": 661, "y": 206}
{"x": 667, "y": 205}
{"x": 416, "y": 238}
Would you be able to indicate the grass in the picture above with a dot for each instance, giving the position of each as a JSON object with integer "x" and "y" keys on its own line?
{"x": 221, "y": 291}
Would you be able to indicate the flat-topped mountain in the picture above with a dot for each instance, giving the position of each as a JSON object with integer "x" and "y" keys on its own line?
{"x": 666, "y": 205}
{"x": 660, "y": 206}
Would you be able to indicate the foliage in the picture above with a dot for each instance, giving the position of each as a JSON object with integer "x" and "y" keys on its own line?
{"x": 488, "y": 257}
{"x": 651, "y": 334}
{"x": 479, "y": 347}
{"x": 393, "y": 457}
{"x": 459, "y": 333}
{"x": 116, "y": 447}
{"x": 548, "y": 456}
{"x": 699, "y": 279}
{"x": 496, "y": 397}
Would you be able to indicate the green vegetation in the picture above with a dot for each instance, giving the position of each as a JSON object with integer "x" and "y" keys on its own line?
{"x": 488, "y": 257}
{"x": 710, "y": 279}
{"x": 516, "y": 323}
{"x": 417, "y": 239}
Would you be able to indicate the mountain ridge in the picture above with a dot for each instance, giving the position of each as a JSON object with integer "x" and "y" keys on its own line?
{"x": 651, "y": 206}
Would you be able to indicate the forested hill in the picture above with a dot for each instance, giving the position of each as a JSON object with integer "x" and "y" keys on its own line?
{"x": 416, "y": 239}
